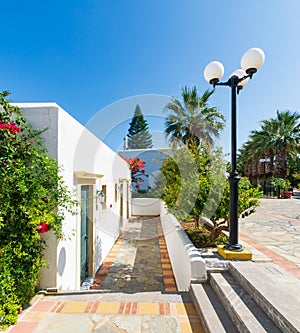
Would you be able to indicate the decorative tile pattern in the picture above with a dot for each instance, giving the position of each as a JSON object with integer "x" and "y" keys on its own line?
{"x": 182, "y": 316}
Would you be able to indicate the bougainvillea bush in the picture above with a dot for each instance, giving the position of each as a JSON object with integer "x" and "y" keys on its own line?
{"x": 137, "y": 167}
{"x": 34, "y": 200}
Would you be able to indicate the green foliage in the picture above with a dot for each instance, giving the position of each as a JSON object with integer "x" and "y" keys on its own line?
{"x": 191, "y": 121}
{"x": 248, "y": 200}
{"x": 194, "y": 181}
{"x": 138, "y": 134}
{"x": 196, "y": 187}
{"x": 277, "y": 139}
{"x": 203, "y": 237}
{"x": 31, "y": 193}
{"x": 282, "y": 183}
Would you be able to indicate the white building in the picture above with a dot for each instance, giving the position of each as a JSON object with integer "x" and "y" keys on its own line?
{"x": 101, "y": 179}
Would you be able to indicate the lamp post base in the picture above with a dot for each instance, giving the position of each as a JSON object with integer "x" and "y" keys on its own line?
{"x": 233, "y": 247}
{"x": 227, "y": 254}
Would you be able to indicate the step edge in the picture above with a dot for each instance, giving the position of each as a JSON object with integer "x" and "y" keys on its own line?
{"x": 274, "y": 312}
{"x": 240, "y": 314}
{"x": 204, "y": 307}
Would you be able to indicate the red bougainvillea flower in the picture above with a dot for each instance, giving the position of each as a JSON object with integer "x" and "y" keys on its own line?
{"x": 11, "y": 127}
{"x": 43, "y": 227}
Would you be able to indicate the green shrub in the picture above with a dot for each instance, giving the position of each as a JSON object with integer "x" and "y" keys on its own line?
{"x": 31, "y": 189}
{"x": 196, "y": 187}
{"x": 283, "y": 183}
{"x": 202, "y": 237}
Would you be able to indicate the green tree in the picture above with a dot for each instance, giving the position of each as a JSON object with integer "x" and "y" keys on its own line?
{"x": 33, "y": 200}
{"x": 277, "y": 139}
{"x": 194, "y": 182}
{"x": 192, "y": 120}
{"x": 138, "y": 132}
{"x": 196, "y": 187}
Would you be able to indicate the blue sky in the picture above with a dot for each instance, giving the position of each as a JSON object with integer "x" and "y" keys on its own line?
{"x": 87, "y": 55}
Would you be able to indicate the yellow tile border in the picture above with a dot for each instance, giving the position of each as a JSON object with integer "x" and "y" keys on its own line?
{"x": 187, "y": 309}
{"x": 34, "y": 316}
{"x": 148, "y": 308}
{"x": 74, "y": 307}
{"x": 108, "y": 307}
{"x": 191, "y": 328}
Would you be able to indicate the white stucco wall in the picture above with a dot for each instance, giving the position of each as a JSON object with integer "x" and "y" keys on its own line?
{"x": 85, "y": 160}
{"x": 145, "y": 206}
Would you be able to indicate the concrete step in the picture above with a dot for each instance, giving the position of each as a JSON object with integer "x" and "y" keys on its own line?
{"x": 274, "y": 290}
{"x": 246, "y": 315}
{"x": 213, "y": 316}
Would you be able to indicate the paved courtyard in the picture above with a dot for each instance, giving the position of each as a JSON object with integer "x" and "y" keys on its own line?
{"x": 274, "y": 229}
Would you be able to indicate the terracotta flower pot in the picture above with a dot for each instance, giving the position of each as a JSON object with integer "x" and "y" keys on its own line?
{"x": 286, "y": 195}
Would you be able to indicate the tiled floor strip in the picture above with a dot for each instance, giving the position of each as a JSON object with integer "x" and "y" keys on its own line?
{"x": 184, "y": 312}
{"x": 277, "y": 258}
{"x": 168, "y": 276}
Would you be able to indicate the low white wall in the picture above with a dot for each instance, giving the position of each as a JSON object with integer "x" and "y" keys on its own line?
{"x": 187, "y": 263}
{"x": 145, "y": 206}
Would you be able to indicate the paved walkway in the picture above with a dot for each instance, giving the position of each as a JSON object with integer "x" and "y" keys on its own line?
{"x": 139, "y": 260}
{"x": 274, "y": 229}
{"x": 134, "y": 291}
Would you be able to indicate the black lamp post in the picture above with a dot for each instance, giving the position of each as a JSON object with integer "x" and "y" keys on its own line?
{"x": 251, "y": 61}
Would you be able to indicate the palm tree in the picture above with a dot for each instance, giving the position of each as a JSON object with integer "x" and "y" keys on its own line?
{"x": 277, "y": 139}
{"x": 192, "y": 120}
{"x": 286, "y": 139}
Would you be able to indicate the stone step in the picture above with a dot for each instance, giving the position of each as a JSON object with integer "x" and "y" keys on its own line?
{"x": 274, "y": 290}
{"x": 213, "y": 316}
{"x": 246, "y": 315}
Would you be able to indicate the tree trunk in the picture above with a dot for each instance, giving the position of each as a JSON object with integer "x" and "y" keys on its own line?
{"x": 281, "y": 163}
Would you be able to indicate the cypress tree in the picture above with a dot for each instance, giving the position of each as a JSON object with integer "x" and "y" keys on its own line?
{"x": 138, "y": 134}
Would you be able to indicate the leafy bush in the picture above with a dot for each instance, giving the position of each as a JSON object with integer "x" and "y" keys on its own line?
{"x": 282, "y": 183}
{"x": 248, "y": 200}
{"x": 196, "y": 189}
{"x": 33, "y": 199}
{"x": 203, "y": 237}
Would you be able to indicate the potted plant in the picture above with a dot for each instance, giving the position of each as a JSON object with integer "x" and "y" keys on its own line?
{"x": 284, "y": 184}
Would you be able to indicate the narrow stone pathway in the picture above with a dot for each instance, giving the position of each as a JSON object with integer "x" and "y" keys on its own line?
{"x": 139, "y": 260}
{"x": 134, "y": 291}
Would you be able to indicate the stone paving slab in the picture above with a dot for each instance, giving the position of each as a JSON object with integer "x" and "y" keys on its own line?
{"x": 275, "y": 290}
{"x": 274, "y": 230}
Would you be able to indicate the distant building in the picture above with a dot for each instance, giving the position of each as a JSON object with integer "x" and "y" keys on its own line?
{"x": 153, "y": 158}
